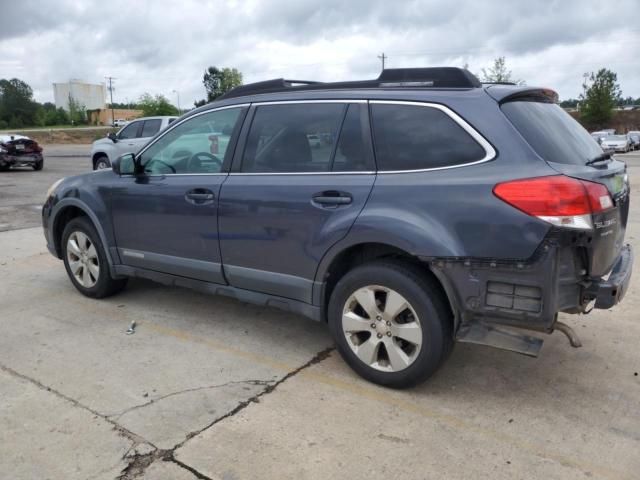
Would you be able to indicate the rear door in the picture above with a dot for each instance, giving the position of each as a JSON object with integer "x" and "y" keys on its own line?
{"x": 567, "y": 147}
{"x": 299, "y": 180}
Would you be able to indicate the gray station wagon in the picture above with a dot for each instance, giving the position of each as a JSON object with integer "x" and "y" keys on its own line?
{"x": 407, "y": 212}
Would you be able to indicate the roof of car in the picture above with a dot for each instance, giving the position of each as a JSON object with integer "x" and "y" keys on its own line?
{"x": 438, "y": 85}
{"x": 157, "y": 117}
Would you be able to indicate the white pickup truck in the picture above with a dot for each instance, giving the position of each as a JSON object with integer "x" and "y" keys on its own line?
{"x": 129, "y": 139}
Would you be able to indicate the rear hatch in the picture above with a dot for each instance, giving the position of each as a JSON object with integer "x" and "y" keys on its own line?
{"x": 568, "y": 148}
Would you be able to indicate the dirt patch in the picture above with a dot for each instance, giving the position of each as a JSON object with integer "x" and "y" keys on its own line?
{"x": 68, "y": 136}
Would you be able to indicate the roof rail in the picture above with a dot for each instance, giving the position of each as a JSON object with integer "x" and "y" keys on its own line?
{"x": 436, "y": 77}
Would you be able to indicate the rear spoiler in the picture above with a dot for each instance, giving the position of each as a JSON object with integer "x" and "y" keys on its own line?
{"x": 504, "y": 93}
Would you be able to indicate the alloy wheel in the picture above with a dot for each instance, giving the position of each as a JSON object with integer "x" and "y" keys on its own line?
{"x": 382, "y": 328}
{"x": 83, "y": 260}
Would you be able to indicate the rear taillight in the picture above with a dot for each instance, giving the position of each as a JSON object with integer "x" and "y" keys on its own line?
{"x": 562, "y": 201}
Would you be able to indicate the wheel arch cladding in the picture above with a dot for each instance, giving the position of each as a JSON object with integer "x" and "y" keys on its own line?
{"x": 69, "y": 209}
{"x": 333, "y": 267}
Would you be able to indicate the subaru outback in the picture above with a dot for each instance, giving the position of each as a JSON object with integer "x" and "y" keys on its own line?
{"x": 436, "y": 209}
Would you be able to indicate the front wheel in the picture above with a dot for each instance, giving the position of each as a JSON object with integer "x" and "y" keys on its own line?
{"x": 391, "y": 323}
{"x": 86, "y": 262}
{"x": 102, "y": 162}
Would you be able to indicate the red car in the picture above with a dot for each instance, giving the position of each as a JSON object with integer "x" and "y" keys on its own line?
{"x": 20, "y": 151}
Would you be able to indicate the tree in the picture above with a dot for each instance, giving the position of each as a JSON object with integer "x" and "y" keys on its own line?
{"x": 498, "y": 73}
{"x": 77, "y": 112}
{"x": 158, "y": 105}
{"x": 17, "y": 107}
{"x": 217, "y": 81}
{"x": 601, "y": 94}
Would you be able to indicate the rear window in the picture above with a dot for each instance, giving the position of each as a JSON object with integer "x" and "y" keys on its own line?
{"x": 552, "y": 132}
{"x": 409, "y": 137}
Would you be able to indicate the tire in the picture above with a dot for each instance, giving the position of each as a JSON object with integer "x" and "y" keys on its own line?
{"x": 96, "y": 281}
{"x": 426, "y": 320}
{"x": 101, "y": 163}
{"x": 38, "y": 165}
{"x": 5, "y": 168}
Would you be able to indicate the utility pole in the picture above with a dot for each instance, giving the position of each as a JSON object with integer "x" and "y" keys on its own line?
{"x": 382, "y": 57}
{"x": 178, "y": 95}
{"x": 110, "y": 87}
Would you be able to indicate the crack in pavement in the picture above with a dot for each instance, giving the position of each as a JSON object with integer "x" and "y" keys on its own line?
{"x": 116, "y": 416}
{"x": 134, "y": 438}
{"x": 140, "y": 463}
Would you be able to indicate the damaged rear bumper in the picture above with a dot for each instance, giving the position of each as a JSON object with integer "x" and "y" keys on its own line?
{"x": 529, "y": 294}
{"x": 26, "y": 160}
{"x": 611, "y": 291}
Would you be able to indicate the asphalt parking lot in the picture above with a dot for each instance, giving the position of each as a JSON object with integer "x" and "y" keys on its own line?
{"x": 211, "y": 388}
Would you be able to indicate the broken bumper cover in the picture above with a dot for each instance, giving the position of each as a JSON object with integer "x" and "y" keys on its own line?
{"x": 26, "y": 160}
{"x": 611, "y": 291}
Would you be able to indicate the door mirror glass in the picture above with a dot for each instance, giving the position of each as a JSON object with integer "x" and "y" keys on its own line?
{"x": 112, "y": 136}
{"x": 124, "y": 165}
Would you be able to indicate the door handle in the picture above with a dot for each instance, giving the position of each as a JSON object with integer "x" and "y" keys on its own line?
{"x": 199, "y": 196}
{"x": 332, "y": 198}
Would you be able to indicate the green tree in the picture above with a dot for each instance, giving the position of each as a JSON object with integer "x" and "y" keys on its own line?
{"x": 498, "y": 73}
{"x": 77, "y": 112}
{"x": 158, "y": 105}
{"x": 217, "y": 81}
{"x": 17, "y": 107}
{"x": 601, "y": 94}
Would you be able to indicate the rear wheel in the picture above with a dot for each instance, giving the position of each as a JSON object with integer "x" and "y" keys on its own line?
{"x": 391, "y": 323}
{"x": 38, "y": 165}
{"x": 86, "y": 262}
{"x": 102, "y": 162}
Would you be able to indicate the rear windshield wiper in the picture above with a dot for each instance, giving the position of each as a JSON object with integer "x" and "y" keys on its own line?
{"x": 600, "y": 158}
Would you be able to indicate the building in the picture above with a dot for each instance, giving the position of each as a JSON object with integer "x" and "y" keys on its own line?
{"x": 103, "y": 116}
{"x": 91, "y": 96}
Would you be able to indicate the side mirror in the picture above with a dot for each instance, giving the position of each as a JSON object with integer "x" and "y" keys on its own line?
{"x": 112, "y": 136}
{"x": 124, "y": 164}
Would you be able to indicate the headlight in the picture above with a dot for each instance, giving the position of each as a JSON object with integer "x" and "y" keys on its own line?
{"x": 53, "y": 187}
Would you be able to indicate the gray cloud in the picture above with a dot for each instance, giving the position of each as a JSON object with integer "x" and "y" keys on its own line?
{"x": 160, "y": 46}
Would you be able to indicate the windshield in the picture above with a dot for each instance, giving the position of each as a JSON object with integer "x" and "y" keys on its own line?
{"x": 552, "y": 132}
{"x": 616, "y": 138}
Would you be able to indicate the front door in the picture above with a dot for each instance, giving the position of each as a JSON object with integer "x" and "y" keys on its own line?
{"x": 165, "y": 220}
{"x": 305, "y": 174}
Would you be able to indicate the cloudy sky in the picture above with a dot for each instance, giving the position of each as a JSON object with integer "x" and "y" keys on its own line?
{"x": 160, "y": 46}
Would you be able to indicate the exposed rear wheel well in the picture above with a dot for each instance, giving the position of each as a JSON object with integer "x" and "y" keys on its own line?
{"x": 368, "y": 252}
{"x": 64, "y": 217}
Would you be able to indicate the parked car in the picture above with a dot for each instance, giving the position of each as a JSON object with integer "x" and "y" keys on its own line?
{"x": 634, "y": 138}
{"x": 20, "y": 151}
{"x": 443, "y": 210}
{"x": 130, "y": 139}
{"x": 599, "y": 136}
{"x": 616, "y": 143}
{"x": 120, "y": 122}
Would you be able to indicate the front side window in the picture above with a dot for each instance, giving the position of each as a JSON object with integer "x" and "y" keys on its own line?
{"x": 130, "y": 131}
{"x": 292, "y": 138}
{"x": 151, "y": 127}
{"x": 414, "y": 137}
{"x": 198, "y": 145}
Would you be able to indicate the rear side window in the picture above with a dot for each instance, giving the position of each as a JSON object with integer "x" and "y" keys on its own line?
{"x": 414, "y": 137}
{"x": 292, "y": 138}
{"x": 351, "y": 153}
{"x": 151, "y": 127}
{"x": 551, "y": 132}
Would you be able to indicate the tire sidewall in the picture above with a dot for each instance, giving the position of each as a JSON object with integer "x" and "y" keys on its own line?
{"x": 424, "y": 302}
{"x": 83, "y": 225}
{"x": 104, "y": 160}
